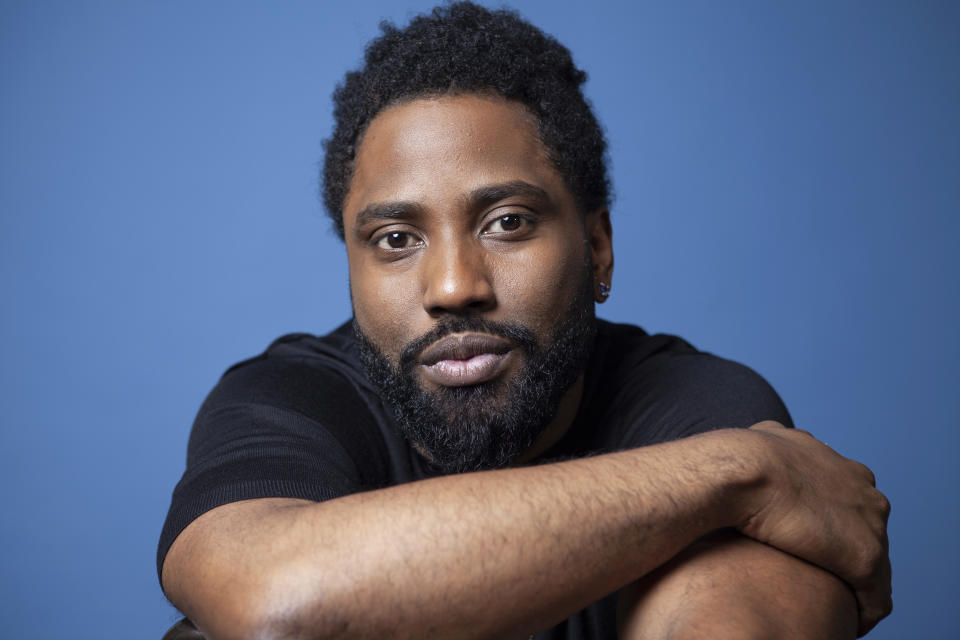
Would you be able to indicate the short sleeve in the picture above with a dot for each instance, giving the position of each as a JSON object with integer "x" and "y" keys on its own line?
{"x": 276, "y": 427}
{"x": 693, "y": 393}
{"x": 646, "y": 389}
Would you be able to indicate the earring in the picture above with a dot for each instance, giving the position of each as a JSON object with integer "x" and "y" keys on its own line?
{"x": 604, "y": 291}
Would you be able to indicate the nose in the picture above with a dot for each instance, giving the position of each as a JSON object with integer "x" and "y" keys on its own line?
{"x": 456, "y": 279}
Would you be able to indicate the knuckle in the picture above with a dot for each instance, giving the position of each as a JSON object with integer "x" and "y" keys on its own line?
{"x": 865, "y": 471}
{"x": 883, "y": 505}
{"x": 874, "y": 613}
{"x": 866, "y": 563}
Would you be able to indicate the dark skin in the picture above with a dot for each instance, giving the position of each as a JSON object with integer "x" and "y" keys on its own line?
{"x": 443, "y": 219}
{"x": 454, "y": 208}
{"x": 420, "y": 236}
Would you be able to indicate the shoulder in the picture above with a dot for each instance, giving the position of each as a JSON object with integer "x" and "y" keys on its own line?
{"x": 301, "y": 372}
{"x": 652, "y": 388}
{"x": 297, "y": 421}
{"x": 302, "y": 386}
{"x": 334, "y": 355}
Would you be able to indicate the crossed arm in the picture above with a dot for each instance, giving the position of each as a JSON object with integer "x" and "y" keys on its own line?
{"x": 506, "y": 553}
{"x": 729, "y": 587}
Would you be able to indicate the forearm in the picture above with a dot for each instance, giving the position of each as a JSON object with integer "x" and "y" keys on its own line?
{"x": 473, "y": 555}
{"x": 729, "y": 587}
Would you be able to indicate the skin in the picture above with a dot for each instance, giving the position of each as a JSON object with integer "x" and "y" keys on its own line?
{"x": 505, "y": 553}
{"x": 419, "y": 182}
{"x": 728, "y": 586}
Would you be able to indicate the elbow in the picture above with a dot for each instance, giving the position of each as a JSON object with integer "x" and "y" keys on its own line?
{"x": 230, "y": 615}
{"x": 295, "y": 605}
{"x": 268, "y": 608}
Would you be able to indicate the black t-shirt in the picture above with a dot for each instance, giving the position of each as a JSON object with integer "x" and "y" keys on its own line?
{"x": 302, "y": 421}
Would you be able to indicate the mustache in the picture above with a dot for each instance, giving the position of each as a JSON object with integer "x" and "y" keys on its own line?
{"x": 515, "y": 333}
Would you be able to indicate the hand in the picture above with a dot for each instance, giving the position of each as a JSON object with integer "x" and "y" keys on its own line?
{"x": 824, "y": 508}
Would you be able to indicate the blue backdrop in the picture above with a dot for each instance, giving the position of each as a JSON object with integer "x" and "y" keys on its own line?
{"x": 788, "y": 195}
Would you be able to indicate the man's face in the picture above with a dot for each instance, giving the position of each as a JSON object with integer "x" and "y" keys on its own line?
{"x": 472, "y": 275}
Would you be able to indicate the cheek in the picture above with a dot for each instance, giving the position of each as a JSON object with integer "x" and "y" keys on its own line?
{"x": 382, "y": 305}
{"x": 542, "y": 284}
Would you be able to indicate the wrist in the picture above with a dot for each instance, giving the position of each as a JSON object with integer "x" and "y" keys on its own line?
{"x": 736, "y": 464}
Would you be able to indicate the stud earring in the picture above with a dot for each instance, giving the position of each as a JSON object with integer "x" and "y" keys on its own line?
{"x": 604, "y": 291}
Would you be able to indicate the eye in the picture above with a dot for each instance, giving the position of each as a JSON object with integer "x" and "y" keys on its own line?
{"x": 397, "y": 240}
{"x": 506, "y": 224}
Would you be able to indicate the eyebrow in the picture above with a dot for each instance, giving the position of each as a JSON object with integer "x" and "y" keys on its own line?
{"x": 395, "y": 210}
{"x": 478, "y": 198}
{"x": 492, "y": 193}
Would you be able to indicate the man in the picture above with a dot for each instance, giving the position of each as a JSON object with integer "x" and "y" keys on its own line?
{"x": 475, "y": 455}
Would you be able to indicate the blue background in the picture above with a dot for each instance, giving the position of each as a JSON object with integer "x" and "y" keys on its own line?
{"x": 788, "y": 182}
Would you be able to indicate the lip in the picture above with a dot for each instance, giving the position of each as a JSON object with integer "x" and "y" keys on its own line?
{"x": 460, "y": 360}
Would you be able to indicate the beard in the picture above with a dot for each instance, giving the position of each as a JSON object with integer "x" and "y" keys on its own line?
{"x": 485, "y": 426}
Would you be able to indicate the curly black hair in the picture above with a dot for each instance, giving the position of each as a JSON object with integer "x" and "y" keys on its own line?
{"x": 464, "y": 48}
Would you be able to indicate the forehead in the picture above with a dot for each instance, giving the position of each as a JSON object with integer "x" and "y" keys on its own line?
{"x": 429, "y": 150}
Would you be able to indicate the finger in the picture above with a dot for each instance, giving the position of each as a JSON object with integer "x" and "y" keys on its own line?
{"x": 874, "y": 597}
{"x": 875, "y": 605}
{"x": 864, "y": 471}
{"x": 883, "y": 505}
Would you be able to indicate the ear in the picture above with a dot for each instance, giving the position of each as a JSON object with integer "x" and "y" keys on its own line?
{"x": 600, "y": 237}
